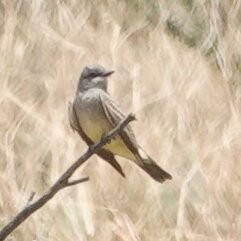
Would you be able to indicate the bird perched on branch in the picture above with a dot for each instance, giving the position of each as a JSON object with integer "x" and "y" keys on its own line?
{"x": 93, "y": 113}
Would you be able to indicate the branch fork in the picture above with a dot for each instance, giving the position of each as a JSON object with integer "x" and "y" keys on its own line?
{"x": 62, "y": 182}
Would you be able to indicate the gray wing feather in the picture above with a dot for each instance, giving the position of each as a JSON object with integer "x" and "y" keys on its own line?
{"x": 114, "y": 116}
{"x": 72, "y": 117}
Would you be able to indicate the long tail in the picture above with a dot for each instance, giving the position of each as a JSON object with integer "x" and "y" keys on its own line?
{"x": 110, "y": 158}
{"x": 148, "y": 165}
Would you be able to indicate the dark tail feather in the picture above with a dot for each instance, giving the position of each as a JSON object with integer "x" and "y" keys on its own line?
{"x": 117, "y": 166}
{"x": 156, "y": 172}
{"x": 109, "y": 157}
{"x": 148, "y": 165}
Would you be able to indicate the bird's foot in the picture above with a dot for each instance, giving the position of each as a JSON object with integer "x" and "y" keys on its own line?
{"x": 104, "y": 136}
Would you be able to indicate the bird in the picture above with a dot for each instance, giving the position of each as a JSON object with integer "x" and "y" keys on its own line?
{"x": 93, "y": 113}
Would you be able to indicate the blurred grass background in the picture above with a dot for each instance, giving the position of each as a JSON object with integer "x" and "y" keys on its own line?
{"x": 178, "y": 66}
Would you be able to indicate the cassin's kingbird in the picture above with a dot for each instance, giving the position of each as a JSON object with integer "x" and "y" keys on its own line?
{"x": 93, "y": 113}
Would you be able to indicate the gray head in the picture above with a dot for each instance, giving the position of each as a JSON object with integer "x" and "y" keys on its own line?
{"x": 94, "y": 76}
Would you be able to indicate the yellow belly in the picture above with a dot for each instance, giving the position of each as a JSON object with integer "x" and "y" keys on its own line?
{"x": 95, "y": 130}
{"x": 118, "y": 147}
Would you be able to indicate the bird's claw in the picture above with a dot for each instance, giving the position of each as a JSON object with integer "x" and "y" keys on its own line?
{"x": 108, "y": 139}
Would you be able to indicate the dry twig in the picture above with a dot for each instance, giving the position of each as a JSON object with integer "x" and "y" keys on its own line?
{"x": 63, "y": 181}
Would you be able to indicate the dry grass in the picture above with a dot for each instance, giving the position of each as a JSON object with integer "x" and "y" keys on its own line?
{"x": 177, "y": 65}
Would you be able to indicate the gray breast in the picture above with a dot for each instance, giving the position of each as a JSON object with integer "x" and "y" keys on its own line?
{"x": 91, "y": 115}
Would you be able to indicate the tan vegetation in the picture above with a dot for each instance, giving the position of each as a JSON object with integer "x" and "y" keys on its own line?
{"x": 177, "y": 66}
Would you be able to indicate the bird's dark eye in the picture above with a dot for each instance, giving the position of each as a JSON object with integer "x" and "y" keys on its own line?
{"x": 93, "y": 75}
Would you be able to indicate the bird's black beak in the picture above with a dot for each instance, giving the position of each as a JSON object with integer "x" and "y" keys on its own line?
{"x": 108, "y": 73}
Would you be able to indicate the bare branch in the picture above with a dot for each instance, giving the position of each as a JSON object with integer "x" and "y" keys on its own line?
{"x": 77, "y": 181}
{"x": 63, "y": 181}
